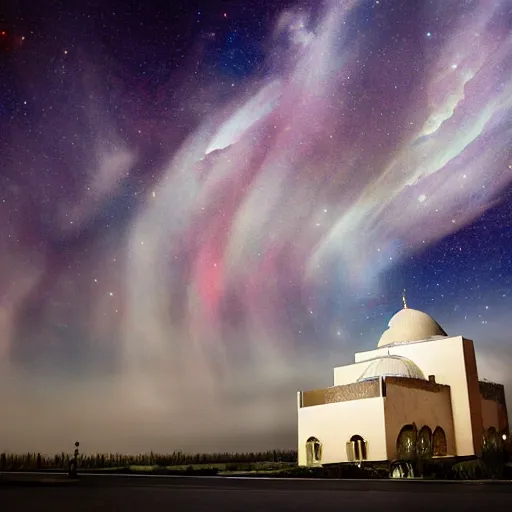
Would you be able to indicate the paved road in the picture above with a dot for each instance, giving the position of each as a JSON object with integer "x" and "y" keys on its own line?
{"x": 90, "y": 493}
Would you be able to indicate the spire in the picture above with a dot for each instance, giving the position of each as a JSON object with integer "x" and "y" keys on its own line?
{"x": 404, "y": 299}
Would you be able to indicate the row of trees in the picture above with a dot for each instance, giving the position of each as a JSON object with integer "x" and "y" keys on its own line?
{"x": 27, "y": 461}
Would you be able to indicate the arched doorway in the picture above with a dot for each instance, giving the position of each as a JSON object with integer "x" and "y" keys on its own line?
{"x": 313, "y": 451}
{"x": 406, "y": 443}
{"x": 357, "y": 448}
{"x": 424, "y": 444}
{"x": 439, "y": 443}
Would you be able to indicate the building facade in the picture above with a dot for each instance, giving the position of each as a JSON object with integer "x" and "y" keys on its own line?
{"x": 417, "y": 393}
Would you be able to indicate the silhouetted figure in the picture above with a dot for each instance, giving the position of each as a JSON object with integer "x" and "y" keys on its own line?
{"x": 73, "y": 463}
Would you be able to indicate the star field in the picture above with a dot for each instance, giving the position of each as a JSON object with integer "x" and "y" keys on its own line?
{"x": 205, "y": 207}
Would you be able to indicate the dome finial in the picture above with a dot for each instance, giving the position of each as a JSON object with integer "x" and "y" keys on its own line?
{"x": 404, "y": 300}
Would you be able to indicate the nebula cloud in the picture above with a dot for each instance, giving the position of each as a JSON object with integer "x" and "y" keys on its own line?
{"x": 165, "y": 267}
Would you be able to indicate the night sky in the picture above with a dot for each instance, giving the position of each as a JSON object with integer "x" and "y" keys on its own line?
{"x": 205, "y": 206}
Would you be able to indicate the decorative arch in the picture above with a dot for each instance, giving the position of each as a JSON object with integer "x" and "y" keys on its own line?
{"x": 439, "y": 443}
{"x": 424, "y": 442}
{"x": 406, "y": 442}
{"x": 313, "y": 451}
{"x": 357, "y": 448}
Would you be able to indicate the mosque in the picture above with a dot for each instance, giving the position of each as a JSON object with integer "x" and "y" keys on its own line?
{"x": 417, "y": 394}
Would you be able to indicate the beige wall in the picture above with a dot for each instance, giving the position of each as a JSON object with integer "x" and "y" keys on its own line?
{"x": 475, "y": 398}
{"x": 406, "y": 405}
{"x": 447, "y": 358}
{"x": 503, "y": 419}
{"x": 495, "y": 393}
{"x": 334, "y": 424}
{"x": 490, "y": 415}
{"x": 348, "y": 374}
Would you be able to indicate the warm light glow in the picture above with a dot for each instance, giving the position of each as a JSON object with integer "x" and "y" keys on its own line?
{"x": 504, "y": 437}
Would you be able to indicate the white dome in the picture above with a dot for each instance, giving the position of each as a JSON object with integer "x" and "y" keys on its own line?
{"x": 395, "y": 366}
{"x": 410, "y": 325}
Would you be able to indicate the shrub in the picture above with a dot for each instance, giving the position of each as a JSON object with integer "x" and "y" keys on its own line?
{"x": 469, "y": 470}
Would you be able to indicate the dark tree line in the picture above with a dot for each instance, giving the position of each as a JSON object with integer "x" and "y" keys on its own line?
{"x": 116, "y": 460}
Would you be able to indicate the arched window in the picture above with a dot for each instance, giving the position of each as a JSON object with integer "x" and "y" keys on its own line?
{"x": 439, "y": 443}
{"x": 406, "y": 443}
{"x": 493, "y": 440}
{"x": 424, "y": 447}
{"x": 357, "y": 448}
{"x": 313, "y": 451}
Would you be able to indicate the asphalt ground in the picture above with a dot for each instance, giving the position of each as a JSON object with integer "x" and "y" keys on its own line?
{"x": 56, "y": 492}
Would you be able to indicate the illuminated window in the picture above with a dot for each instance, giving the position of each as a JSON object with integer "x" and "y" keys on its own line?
{"x": 425, "y": 442}
{"x": 313, "y": 451}
{"x": 357, "y": 449}
{"x": 439, "y": 443}
{"x": 406, "y": 443}
{"x": 493, "y": 441}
